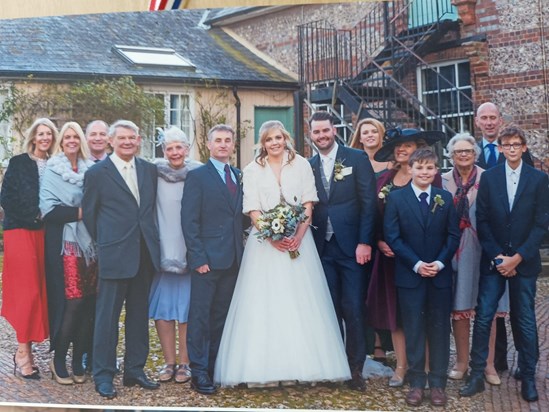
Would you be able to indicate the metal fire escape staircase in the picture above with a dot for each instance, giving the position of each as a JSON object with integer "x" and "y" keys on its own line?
{"x": 367, "y": 71}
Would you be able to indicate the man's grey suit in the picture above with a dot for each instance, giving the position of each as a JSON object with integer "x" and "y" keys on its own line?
{"x": 128, "y": 251}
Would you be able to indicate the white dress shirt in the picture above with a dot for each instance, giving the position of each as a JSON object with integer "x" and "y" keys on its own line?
{"x": 328, "y": 161}
{"x": 512, "y": 178}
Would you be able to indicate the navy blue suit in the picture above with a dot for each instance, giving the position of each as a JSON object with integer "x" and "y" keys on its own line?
{"x": 212, "y": 223}
{"x": 425, "y": 302}
{"x": 128, "y": 253}
{"x": 505, "y": 230}
{"x": 351, "y": 206}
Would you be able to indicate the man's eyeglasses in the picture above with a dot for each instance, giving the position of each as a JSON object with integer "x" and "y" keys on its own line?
{"x": 508, "y": 146}
{"x": 467, "y": 152}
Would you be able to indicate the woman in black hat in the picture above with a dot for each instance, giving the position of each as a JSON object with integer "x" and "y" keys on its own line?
{"x": 381, "y": 301}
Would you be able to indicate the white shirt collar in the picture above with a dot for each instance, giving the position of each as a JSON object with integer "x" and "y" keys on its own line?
{"x": 418, "y": 191}
{"x": 333, "y": 153}
{"x": 119, "y": 163}
{"x": 508, "y": 169}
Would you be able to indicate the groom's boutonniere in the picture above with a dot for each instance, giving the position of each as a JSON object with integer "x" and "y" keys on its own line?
{"x": 438, "y": 202}
{"x": 340, "y": 170}
{"x": 384, "y": 192}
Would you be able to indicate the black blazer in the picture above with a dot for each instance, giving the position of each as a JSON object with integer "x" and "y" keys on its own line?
{"x": 481, "y": 162}
{"x": 212, "y": 219}
{"x": 350, "y": 204}
{"x": 20, "y": 194}
{"x": 116, "y": 222}
{"x": 502, "y": 230}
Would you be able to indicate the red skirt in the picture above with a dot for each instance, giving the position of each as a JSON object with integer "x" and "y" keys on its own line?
{"x": 24, "y": 301}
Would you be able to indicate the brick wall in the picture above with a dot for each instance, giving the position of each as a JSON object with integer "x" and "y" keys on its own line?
{"x": 510, "y": 69}
{"x": 277, "y": 34}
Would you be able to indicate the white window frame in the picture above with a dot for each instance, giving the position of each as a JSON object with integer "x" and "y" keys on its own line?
{"x": 190, "y": 110}
{"x": 422, "y": 93}
{"x": 152, "y": 56}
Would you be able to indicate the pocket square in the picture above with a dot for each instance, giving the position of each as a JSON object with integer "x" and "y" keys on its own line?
{"x": 346, "y": 171}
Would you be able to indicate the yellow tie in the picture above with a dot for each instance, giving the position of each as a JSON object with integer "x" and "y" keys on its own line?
{"x": 130, "y": 181}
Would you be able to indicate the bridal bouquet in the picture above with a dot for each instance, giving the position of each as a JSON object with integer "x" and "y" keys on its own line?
{"x": 280, "y": 222}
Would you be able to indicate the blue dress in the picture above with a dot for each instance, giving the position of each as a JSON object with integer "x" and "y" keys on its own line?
{"x": 171, "y": 287}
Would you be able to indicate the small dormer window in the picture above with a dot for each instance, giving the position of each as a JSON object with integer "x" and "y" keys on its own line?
{"x": 150, "y": 56}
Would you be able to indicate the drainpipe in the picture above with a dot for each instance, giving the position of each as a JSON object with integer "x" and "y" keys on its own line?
{"x": 298, "y": 122}
{"x": 237, "y": 106}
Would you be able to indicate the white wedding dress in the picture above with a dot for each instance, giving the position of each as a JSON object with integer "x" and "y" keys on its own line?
{"x": 281, "y": 325}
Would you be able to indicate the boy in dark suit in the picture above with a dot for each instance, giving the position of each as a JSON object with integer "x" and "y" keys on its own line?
{"x": 421, "y": 227}
{"x": 512, "y": 209}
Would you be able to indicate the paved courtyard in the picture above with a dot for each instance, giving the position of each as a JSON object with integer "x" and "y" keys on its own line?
{"x": 47, "y": 393}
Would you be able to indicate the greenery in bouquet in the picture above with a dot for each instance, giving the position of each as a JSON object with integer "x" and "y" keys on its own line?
{"x": 281, "y": 221}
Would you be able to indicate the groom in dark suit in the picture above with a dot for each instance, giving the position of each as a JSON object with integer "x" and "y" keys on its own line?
{"x": 118, "y": 209}
{"x": 512, "y": 210}
{"x": 344, "y": 222}
{"x": 212, "y": 222}
{"x": 421, "y": 227}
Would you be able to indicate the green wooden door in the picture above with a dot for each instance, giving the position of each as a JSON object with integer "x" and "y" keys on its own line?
{"x": 283, "y": 114}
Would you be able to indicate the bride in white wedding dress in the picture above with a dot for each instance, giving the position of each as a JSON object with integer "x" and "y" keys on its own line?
{"x": 281, "y": 324}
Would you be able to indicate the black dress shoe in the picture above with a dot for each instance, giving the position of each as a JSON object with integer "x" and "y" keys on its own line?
{"x": 203, "y": 384}
{"x": 106, "y": 390}
{"x": 474, "y": 385}
{"x": 357, "y": 382}
{"x": 528, "y": 390}
{"x": 142, "y": 381}
{"x": 517, "y": 374}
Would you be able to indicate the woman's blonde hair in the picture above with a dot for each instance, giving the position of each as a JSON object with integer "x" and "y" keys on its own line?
{"x": 263, "y": 133}
{"x": 30, "y": 135}
{"x": 355, "y": 140}
{"x": 84, "y": 151}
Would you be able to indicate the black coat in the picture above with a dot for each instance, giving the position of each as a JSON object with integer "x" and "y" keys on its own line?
{"x": 19, "y": 195}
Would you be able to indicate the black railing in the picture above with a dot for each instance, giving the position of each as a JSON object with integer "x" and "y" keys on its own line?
{"x": 370, "y": 63}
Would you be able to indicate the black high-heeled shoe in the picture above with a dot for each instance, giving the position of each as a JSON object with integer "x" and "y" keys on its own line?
{"x": 17, "y": 371}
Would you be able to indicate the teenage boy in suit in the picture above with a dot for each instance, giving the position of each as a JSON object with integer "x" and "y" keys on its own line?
{"x": 512, "y": 210}
{"x": 421, "y": 227}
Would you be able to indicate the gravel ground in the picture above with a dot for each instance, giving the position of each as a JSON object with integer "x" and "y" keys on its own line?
{"x": 171, "y": 395}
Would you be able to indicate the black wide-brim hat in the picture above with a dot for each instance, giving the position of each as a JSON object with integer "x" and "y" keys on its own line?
{"x": 396, "y": 136}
